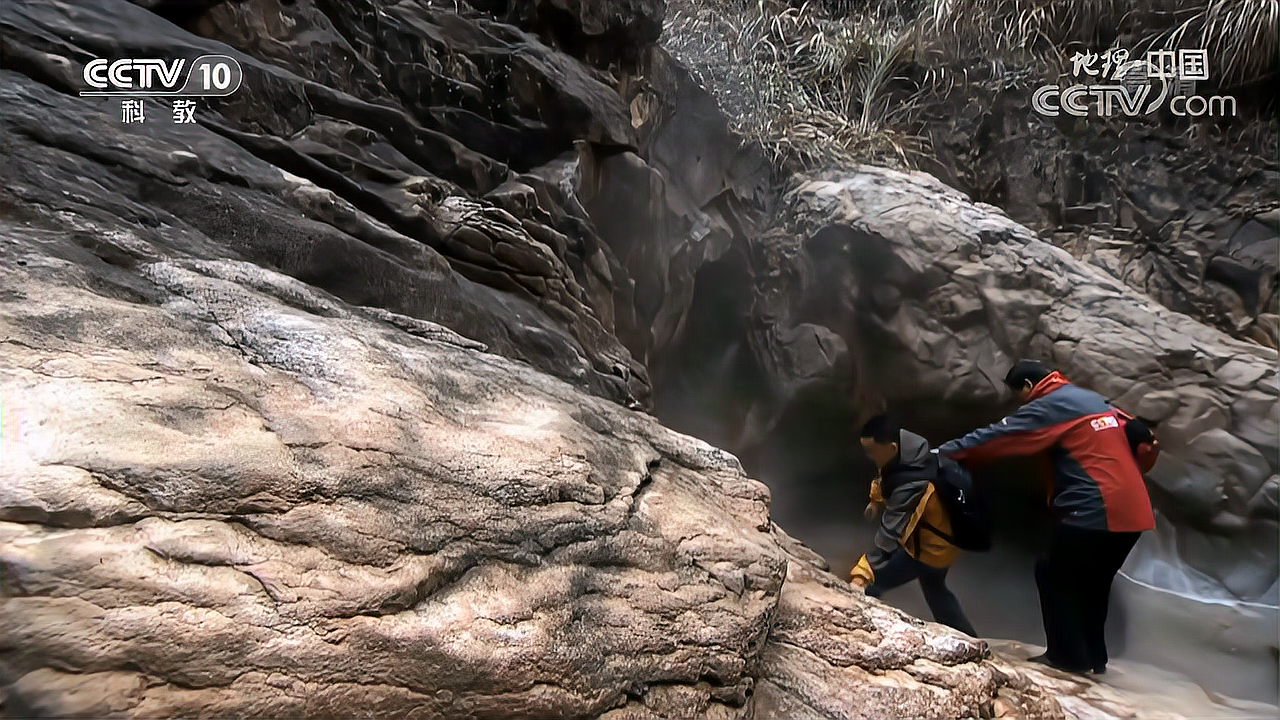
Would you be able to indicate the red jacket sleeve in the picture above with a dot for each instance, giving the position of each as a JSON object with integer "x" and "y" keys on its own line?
{"x": 1026, "y": 432}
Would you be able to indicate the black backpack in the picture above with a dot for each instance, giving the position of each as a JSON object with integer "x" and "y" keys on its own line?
{"x": 970, "y": 521}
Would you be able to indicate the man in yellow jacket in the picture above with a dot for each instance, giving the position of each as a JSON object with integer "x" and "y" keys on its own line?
{"x": 910, "y": 541}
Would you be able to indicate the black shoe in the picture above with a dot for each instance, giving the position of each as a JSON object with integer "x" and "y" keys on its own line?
{"x": 1100, "y": 669}
{"x": 1044, "y": 659}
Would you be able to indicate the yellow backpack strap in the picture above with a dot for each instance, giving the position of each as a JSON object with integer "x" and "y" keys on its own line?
{"x": 917, "y": 514}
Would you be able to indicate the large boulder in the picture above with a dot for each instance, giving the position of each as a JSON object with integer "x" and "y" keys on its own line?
{"x": 1183, "y": 209}
{"x": 888, "y": 288}
{"x": 532, "y": 153}
{"x": 228, "y": 493}
{"x": 374, "y": 149}
{"x": 267, "y": 358}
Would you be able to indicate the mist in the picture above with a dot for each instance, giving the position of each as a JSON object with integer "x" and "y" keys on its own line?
{"x": 802, "y": 444}
{"x": 1163, "y": 613}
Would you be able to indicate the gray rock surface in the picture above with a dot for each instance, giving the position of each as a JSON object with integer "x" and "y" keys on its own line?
{"x": 241, "y": 496}
{"x": 691, "y": 192}
{"x": 236, "y": 495}
{"x": 337, "y": 164}
{"x": 1182, "y": 209}
{"x": 423, "y": 147}
{"x": 930, "y": 297}
{"x": 331, "y": 386}
{"x": 1184, "y": 214}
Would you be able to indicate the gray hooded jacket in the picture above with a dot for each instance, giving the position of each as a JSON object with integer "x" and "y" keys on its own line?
{"x": 903, "y": 483}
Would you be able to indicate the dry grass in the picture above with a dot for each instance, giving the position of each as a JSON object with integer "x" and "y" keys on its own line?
{"x": 821, "y": 83}
{"x": 811, "y": 86}
{"x": 1002, "y": 27}
{"x": 1240, "y": 35}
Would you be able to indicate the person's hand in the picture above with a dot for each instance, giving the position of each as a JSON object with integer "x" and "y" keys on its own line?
{"x": 861, "y": 574}
{"x": 871, "y": 511}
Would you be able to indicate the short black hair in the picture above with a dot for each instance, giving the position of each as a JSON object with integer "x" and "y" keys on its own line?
{"x": 1024, "y": 371}
{"x": 883, "y": 429}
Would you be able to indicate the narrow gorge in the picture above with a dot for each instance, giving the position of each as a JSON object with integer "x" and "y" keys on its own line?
{"x": 470, "y": 361}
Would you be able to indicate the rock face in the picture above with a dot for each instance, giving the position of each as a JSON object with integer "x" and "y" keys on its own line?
{"x": 1193, "y": 225}
{"x": 232, "y": 494}
{"x": 1182, "y": 209}
{"x": 604, "y": 34}
{"x": 336, "y": 387}
{"x": 691, "y": 192}
{"x": 429, "y": 192}
{"x": 924, "y": 299}
{"x": 427, "y": 158}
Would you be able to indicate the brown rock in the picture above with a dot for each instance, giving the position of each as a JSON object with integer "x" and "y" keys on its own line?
{"x": 222, "y": 503}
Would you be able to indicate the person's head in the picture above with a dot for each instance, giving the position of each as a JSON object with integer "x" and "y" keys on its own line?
{"x": 1025, "y": 375}
{"x": 880, "y": 436}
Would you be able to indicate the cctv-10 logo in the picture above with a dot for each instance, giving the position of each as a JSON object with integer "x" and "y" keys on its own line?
{"x": 207, "y": 75}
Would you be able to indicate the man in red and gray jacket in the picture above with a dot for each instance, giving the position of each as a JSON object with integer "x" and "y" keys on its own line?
{"x": 1099, "y": 501}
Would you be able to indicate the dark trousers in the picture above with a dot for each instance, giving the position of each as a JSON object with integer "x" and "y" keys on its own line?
{"x": 1074, "y": 579}
{"x": 901, "y": 569}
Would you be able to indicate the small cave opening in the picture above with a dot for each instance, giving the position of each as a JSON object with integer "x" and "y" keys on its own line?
{"x": 707, "y": 380}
